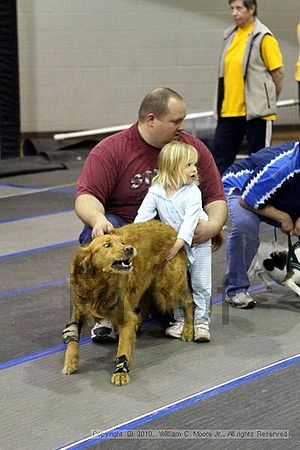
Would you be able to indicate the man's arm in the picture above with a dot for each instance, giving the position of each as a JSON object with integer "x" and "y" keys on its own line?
{"x": 296, "y": 230}
{"x": 92, "y": 213}
{"x": 277, "y": 76}
{"x": 217, "y": 216}
{"x": 271, "y": 212}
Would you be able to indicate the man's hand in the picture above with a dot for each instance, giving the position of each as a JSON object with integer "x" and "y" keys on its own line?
{"x": 92, "y": 213}
{"x": 287, "y": 224}
{"x": 101, "y": 227}
{"x": 296, "y": 230}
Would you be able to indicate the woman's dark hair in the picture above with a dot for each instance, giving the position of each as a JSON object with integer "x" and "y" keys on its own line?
{"x": 248, "y": 4}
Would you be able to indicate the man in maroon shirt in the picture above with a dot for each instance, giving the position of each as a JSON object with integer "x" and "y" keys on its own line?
{"x": 118, "y": 172}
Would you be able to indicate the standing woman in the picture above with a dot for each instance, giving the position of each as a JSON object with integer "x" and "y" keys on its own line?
{"x": 250, "y": 81}
{"x": 297, "y": 74}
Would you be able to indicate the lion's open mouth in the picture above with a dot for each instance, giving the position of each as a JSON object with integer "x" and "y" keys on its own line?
{"x": 124, "y": 265}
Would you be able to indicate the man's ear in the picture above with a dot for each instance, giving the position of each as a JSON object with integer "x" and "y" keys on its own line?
{"x": 150, "y": 119}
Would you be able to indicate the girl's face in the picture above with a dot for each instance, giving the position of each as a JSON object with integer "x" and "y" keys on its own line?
{"x": 191, "y": 172}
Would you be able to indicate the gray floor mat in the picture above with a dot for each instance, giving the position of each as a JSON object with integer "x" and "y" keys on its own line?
{"x": 164, "y": 371}
{"x": 36, "y": 203}
{"x": 33, "y": 321}
{"x": 38, "y": 232}
{"x": 32, "y": 269}
{"x": 235, "y": 419}
{"x": 42, "y": 409}
{"x": 21, "y": 166}
{"x": 46, "y": 179}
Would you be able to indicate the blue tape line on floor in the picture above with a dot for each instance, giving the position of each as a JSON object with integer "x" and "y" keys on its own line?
{"x": 38, "y": 249}
{"x": 35, "y": 216}
{"x": 38, "y": 355}
{"x": 29, "y": 289}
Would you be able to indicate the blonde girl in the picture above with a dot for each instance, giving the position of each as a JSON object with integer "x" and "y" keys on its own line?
{"x": 176, "y": 198}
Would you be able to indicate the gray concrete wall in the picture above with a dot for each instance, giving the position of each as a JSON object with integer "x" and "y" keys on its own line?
{"x": 87, "y": 63}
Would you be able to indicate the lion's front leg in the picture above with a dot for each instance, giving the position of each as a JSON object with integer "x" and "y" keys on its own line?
{"x": 71, "y": 358}
{"x": 71, "y": 335}
{"x": 127, "y": 336}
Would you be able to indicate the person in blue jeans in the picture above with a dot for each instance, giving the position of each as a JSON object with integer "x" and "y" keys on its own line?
{"x": 265, "y": 187}
{"x": 118, "y": 172}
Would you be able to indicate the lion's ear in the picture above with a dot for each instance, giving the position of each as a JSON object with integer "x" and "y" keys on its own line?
{"x": 82, "y": 261}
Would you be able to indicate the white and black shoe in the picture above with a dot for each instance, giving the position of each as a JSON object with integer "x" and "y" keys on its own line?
{"x": 175, "y": 330}
{"x": 103, "y": 332}
{"x": 242, "y": 300}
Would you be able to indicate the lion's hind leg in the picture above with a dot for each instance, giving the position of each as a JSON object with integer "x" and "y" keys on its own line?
{"x": 172, "y": 291}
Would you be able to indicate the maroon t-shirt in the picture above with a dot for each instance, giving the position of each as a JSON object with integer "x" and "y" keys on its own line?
{"x": 119, "y": 170}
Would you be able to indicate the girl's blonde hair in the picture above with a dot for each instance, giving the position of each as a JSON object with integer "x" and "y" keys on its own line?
{"x": 172, "y": 160}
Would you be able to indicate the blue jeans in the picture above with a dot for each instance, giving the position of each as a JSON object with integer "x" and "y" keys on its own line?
{"x": 86, "y": 234}
{"x": 242, "y": 245}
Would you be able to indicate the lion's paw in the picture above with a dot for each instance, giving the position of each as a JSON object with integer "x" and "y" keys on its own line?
{"x": 70, "y": 366}
{"x": 120, "y": 378}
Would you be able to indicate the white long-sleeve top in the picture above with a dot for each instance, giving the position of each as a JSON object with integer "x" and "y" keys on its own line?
{"x": 182, "y": 210}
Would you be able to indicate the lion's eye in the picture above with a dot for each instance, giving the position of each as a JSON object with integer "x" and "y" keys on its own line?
{"x": 107, "y": 244}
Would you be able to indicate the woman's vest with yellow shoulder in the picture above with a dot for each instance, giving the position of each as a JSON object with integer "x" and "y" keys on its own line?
{"x": 260, "y": 92}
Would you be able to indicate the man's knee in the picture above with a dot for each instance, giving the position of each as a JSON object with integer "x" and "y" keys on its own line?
{"x": 244, "y": 227}
{"x": 85, "y": 236}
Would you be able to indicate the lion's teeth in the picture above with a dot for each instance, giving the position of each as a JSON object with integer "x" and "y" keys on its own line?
{"x": 126, "y": 264}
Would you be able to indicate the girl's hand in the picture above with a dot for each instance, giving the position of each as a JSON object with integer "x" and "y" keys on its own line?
{"x": 175, "y": 249}
{"x": 171, "y": 253}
